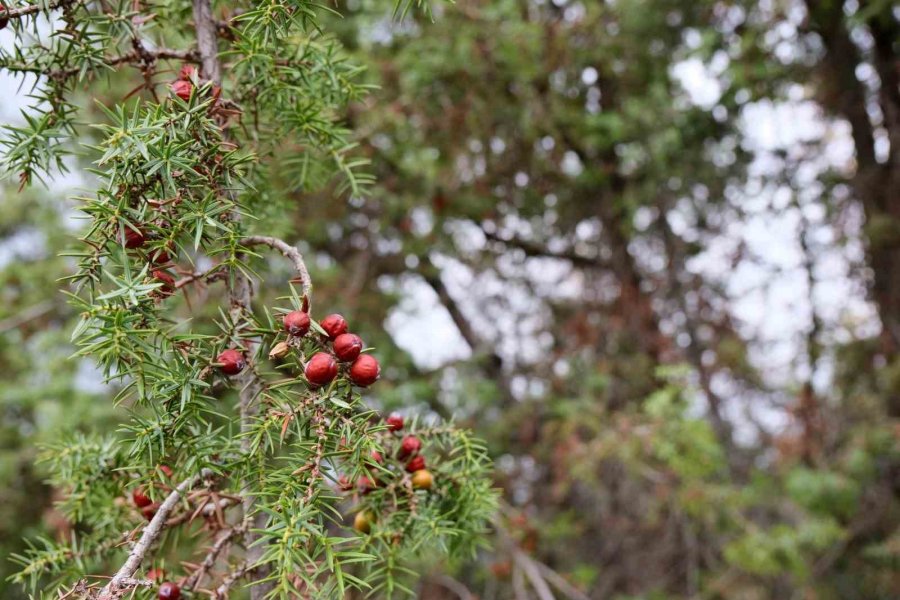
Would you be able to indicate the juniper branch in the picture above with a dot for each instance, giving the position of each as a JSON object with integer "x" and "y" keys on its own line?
{"x": 114, "y": 588}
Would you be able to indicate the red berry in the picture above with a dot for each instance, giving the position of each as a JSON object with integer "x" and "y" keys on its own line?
{"x": 347, "y": 346}
{"x": 140, "y": 499}
{"x": 416, "y": 463}
{"x": 366, "y": 485}
{"x": 160, "y": 256}
{"x": 296, "y": 323}
{"x": 409, "y": 446}
{"x": 168, "y": 282}
{"x": 169, "y": 591}
{"x": 231, "y": 361}
{"x": 321, "y": 369}
{"x": 165, "y": 470}
{"x": 344, "y": 483}
{"x": 365, "y": 370}
{"x": 182, "y": 89}
{"x": 134, "y": 239}
{"x": 377, "y": 457}
{"x": 394, "y": 422}
{"x": 334, "y": 325}
{"x": 187, "y": 72}
{"x": 149, "y": 511}
{"x": 156, "y": 574}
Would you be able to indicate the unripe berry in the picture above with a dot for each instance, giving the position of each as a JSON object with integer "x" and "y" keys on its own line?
{"x": 362, "y": 522}
{"x": 140, "y": 499}
{"x": 321, "y": 369}
{"x": 169, "y": 591}
{"x": 296, "y": 323}
{"x": 134, "y": 239}
{"x": 347, "y": 346}
{"x": 344, "y": 483}
{"x": 416, "y": 463}
{"x": 334, "y": 325}
{"x": 156, "y": 574}
{"x": 166, "y": 470}
{"x": 394, "y": 422}
{"x": 409, "y": 446}
{"x": 182, "y": 89}
{"x": 365, "y": 370}
{"x": 377, "y": 457}
{"x": 231, "y": 361}
{"x": 422, "y": 480}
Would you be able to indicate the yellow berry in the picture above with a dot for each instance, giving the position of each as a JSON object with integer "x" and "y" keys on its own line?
{"x": 362, "y": 522}
{"x": 422, "y": 479}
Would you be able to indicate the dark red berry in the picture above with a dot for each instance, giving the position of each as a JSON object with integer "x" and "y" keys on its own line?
{"x": 4, "y": 21}
{"x": 168, "y": 282}
{"x": 134, "y": 239}
{"x": 187, "y": 72}
{"x": 334, "y": 325}
{"x": 231, "y": 361}
{"x": 365, "y": 370}
{"x": 394, "y": 422}
{"x": 347, "y": 346}
{"x": 409, "y": 446}
{"x": 169, "y": 591}
{"x": 321, "y": 369}
{"x": 296, "y": 323}
{"x": 182, "y": 89}
{"x": 160, "y": 256}
{"x": 149, "y": 511}
{"x": 140, "y": 499}
{"x": 416, "y": 463}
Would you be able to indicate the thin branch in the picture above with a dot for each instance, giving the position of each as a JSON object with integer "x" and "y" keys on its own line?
{"x": 289, "y": 252}
{"x": 29, "y": 314}
{"x": 24, "y": 11}
{"x": 144, "y": 55}
{"x": 536, "y": 250}
{"x": 223, "y": 541}
{"x": 117, "y": 584}
{"x": 233, "y": 577}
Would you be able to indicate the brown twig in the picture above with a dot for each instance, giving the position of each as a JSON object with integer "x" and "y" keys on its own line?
{"x": 289, "y": 252}
{"x": 222, "y": 542}
{"x": 233, "y": 577}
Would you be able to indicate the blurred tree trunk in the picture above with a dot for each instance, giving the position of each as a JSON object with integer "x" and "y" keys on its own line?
{"x": 877, "y": 177}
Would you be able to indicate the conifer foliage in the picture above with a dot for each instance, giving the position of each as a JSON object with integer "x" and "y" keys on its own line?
{"x": 249, "y": 459}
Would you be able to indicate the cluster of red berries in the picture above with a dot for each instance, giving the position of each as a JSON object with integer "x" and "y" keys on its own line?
{"x": 409, "y": 453}
{"x": 323, "y": 367}
{"x": 347, "y": 347}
